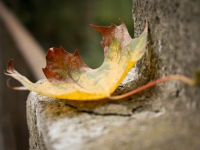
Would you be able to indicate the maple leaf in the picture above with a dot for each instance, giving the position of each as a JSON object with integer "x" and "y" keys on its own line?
{"x": 70, "y": 78}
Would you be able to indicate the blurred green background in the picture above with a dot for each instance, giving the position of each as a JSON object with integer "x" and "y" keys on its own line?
{"x": 66, "y": 23}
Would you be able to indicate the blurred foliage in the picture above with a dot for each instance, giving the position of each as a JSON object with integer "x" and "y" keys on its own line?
{"x": 66, "y": 23}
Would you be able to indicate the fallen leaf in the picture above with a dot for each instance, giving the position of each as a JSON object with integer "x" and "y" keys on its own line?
{"x": 70, "y": 78}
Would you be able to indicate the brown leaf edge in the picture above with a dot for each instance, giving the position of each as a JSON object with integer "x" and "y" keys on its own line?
{"x": 12, "y": 73}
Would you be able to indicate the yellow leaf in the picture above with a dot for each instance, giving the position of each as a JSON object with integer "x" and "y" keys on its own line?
{"x": 70, "y": 78}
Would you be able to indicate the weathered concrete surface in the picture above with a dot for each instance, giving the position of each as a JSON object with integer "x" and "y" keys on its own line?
{"x": 164, "y": 117}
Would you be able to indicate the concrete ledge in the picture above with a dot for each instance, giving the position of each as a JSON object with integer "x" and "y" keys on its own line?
{"x": 59, "y": 124}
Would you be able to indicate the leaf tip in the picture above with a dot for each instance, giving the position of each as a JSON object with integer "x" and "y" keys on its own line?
{"x": 76, "y": 53}
{"x": 10, "y": 69}
{"x": 91, "y": 25}
{"x": 12, "y": 73}
{"x": 122, "y": 22}
{"x": 10, "y": 66}
{"x": 95, "y": 27}
{"x": 62, "y": 48}
{"x": 7, "y": 83}
{"x": 14, "y": 88}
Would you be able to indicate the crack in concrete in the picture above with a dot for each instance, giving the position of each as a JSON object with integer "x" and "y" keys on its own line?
{"x": 106, "y": 114}
{"x": 98, "y": 114}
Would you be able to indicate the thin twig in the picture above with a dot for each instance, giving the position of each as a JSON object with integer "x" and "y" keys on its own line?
{"x": 153, "y": 83}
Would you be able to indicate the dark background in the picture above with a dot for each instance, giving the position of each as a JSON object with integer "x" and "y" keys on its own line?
{"x": 53, "y": 24}
{"x": 66, "y": 23}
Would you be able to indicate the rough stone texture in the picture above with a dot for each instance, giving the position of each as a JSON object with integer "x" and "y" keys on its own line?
{"x": 164, "y": 117}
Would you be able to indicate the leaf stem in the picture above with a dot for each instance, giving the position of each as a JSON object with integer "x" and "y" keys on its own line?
{"x": 153, "y": 83}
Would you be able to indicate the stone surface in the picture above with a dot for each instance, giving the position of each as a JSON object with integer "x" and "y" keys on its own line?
{"x": 164, "y": 117}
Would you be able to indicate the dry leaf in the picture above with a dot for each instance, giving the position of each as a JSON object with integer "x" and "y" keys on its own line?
{"x": 70, "y": 78}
